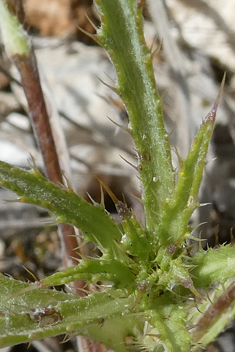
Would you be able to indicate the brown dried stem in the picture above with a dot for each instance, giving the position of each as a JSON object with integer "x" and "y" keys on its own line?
{"x": 27, "y": 66}
{"x": 214, "y": 312}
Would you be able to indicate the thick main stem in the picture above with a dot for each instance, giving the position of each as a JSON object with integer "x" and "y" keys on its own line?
{"x": 122, "y": 36}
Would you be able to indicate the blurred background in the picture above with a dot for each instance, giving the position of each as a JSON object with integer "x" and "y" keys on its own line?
{"x": 194, "y": 44}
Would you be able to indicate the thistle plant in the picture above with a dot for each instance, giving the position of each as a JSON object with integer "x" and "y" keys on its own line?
{"x": 154, "y": 294}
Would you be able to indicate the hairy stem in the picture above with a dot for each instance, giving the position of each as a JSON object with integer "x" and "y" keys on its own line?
{"x": 122, "y": 36}
{"x": 222, "y": 310}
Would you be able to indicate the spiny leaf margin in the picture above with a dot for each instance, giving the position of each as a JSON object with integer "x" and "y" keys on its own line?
{"x": 68, "y": 207}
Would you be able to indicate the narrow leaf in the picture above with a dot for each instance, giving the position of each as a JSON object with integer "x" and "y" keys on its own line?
{"x": 68, "y": 207}
{"x": 93, "y": 270}
{"x": 178, "y": 210}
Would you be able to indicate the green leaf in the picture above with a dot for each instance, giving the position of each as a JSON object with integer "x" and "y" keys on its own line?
{"x": 168, "y": 324}
{"x": 107, "y": 316}
{"x": 68, "y": 207}
{"x": 215, "y": 264}
{"x": 93, "y": 270}
{"x": 177, "y": 211}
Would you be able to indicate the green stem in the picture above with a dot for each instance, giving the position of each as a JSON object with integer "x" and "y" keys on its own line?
{"x": 122, "y": 36}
